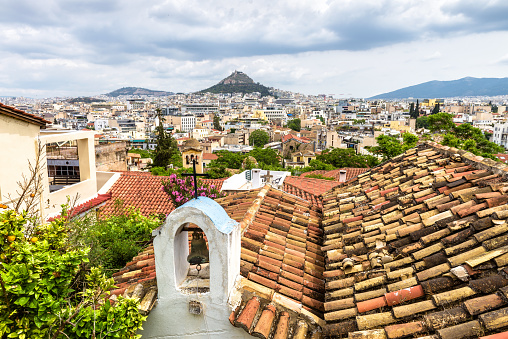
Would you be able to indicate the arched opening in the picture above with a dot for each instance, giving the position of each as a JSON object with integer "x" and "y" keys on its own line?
{"x": 192, "y": 263}
{"x": 187, "y": 159}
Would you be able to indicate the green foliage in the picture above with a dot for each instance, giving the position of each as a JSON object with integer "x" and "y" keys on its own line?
{"x": 436, "y": 109}
{"x": 161, "y": 171}
{"x": 422, "y": 122}
{"x": 218, "y": 172}
{"x": 473, "y": 140}
{"x": 319, "y": 176}
{"x": 345, "y": 157}
{"x": 116, "y": 239}
{"x": 228, "y": 160}
{"x": 295, "y": 125}
{"x": 390, "y": 147}
{"x": 412, "y": 112}
{"x": 166, "y": 152}
{"x": 238, "y": 88}
{"x": 143, "y": 152}
{"x": 40, "y": 278}
{"x": 216, "y": 122}
{"x": 359, "y": 121}
{"x": 266, "y": 156}
{"x": 440, "y": 122}
{"x": 258, "y": 138}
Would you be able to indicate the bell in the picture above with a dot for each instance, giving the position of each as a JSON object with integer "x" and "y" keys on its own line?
{"x": 199, "y": 253}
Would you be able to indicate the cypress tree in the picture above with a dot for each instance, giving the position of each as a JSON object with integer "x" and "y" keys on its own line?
{"x": 167, "y": 146}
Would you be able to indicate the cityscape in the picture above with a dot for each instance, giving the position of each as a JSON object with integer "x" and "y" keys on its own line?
{"x": 279, "y": 170}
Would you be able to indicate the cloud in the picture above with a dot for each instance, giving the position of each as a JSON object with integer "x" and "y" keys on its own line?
{"x": 71, "y": 46}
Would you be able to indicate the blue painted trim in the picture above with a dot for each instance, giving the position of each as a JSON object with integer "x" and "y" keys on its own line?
{"x": 214, "y": 211}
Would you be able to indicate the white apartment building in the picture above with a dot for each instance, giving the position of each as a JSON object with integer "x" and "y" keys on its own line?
{"x": 188, "y": 123}
{"x": 500, "y": 135}
{"x": 101, "y": 124}
{"x": 273, "y": 113}
{"x": 198, "y": 108}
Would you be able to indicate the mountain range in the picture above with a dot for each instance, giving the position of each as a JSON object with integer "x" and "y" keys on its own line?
{"x": 455, "y": 88}
{"x": 237, "y": 82}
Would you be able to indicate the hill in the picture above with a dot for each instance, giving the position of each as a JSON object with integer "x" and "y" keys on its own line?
{"x": 238, "y": 82}
{"x": 454, "y": 88}
{"x": 86, "y": 100}
{"x": 137, "y": 91}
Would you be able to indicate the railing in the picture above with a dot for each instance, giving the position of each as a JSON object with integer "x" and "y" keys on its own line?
{"x": 65, "y": 179}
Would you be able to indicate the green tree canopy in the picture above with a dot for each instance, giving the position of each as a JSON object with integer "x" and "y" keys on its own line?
{"x": 473, "y": 140}
{"x": 346, "y": 157}
{"x": 265, "y": 156}
{"x": 258, "y": 138}
{"x": 389, "y": 146}
{"x": 440, "y": 122}
{"x": 295, "y": 124}
{"x": 422, "y": 122}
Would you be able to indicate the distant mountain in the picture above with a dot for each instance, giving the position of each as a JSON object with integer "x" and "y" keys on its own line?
{"x": 137, "y": 91}
{"x": 238, "y": 82}
{"x": 86, "y": 100}
{"x": 454, "y": 88}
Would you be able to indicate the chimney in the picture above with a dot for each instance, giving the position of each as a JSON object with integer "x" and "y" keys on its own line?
{"x": 342, "y": 175}
{"x": 255, "y": 179}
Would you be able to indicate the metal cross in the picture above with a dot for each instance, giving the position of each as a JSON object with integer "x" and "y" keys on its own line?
{"x": 195, "y": 175}
{"x": 268, "y": 177}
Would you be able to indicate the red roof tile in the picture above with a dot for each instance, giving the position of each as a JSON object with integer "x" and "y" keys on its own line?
{"x": 143, "y": 191}
{"x": 18, "y": 114}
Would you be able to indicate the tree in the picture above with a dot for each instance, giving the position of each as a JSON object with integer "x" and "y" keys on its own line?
{"x": 258, "y": 138}
{"x": 417, "y": 109}
{"x": 389, "y": 146}
{"x": 345, "y": 157}
{"x": 436, "y": 109}
{"x": 166, "y": 152}
{"x": 265, "y": 156}
{"x": 422, "y": 122}
{"x": 216, "y": 122}
{"x": 227, "y": 159}
{"x": 114, "y": 240}
{"x": 47, "y": 291}
{"x": 441, "y": 122}
{"x": 471, "y": 139}
{"x": 412, "y": 112}
{"x": 295, "y": 124}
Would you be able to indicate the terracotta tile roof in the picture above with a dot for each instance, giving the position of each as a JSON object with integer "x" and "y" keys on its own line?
{"x": 309, "y": 189}
{"x": 418, "y": 246}
{"x": 210, "y": 156}
{"x": 19, "y": 114}
{"x": 143, "y": 191}
{"x": 351, "y": 173}
{"x": 281, "y": 264}
{"x": 86, "y": 206}
{"x": 288, "y": 137}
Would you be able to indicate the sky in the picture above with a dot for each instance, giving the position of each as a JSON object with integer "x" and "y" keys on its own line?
{"x": 348, "y": 48}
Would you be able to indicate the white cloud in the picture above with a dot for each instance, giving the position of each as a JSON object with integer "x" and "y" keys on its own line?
{"x": 322, "y": 46}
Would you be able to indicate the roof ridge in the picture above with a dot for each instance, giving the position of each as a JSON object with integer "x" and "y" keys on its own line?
{"x": 248, "y": 218}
